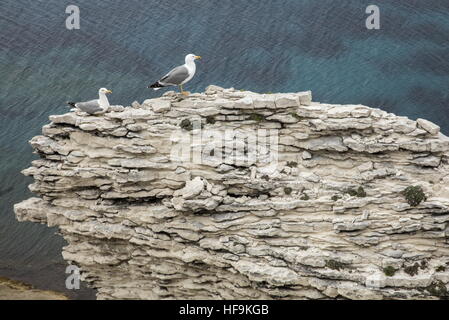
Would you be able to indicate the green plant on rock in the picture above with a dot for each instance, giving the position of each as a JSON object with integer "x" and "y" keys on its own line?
{"x": 389, "y": 271}
{"x": 295, "y": 115}
{"x": 305, "y": 197}
{"x": 288, "y": 190}
{"x": 440, "y": 269}
{"x": 210, "y": 120}
{"x": 438, "y": 289}
{"x": 423, "y": 265}
{"x": 412, "y": 270}
{"x": 186, "y": 124}
{"x": 335, "y": 265}
{"x": 359, "y": 192}
{"x": 336, "y": 197}
{"x": 256, "y": 117}
{"x": 414, "y": 195}
{"x": 292, "y": 164}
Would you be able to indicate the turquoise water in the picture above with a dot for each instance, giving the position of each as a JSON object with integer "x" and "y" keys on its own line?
{"x": 289, "y": 45}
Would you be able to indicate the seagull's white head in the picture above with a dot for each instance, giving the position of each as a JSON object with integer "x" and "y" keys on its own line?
{"x": 191, "y": 57}
{"x": 104, "y": 91}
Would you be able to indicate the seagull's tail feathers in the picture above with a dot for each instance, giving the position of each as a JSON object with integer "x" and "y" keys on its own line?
{"x": 71, "y": 104}
{"x": 156, "y": 86}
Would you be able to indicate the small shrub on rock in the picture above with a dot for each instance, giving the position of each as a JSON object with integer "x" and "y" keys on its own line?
{"x": 389, "y": 271}
{"x": 414, "y": 195}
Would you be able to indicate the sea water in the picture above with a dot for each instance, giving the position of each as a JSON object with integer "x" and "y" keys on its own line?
{"x": 263, "y": 46}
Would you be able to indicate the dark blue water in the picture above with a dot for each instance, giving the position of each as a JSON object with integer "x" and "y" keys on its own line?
{"x": 289, "y": 45}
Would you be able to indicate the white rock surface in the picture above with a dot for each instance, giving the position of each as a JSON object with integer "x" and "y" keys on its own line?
{"x": 430, "y": 127}
{"x": 326, "y": 218}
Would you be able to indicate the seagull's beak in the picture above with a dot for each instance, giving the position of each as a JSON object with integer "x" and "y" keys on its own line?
{"x": 108, "y": 91}
{"x": 197, "y": 57}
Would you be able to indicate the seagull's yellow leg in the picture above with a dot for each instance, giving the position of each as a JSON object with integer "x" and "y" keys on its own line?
{"x": 185, "y": 93}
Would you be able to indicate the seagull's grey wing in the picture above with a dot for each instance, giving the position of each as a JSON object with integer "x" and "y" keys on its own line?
{"x": 175, "y": 77}
{"x": 90, "y": 107}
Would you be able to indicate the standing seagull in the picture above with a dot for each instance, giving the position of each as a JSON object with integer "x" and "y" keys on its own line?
{"x": 97, "y": 106}
{"x": 179, "y": 75}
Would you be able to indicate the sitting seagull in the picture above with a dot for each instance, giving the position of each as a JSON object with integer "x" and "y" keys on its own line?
{"x": 97, "y": 106}
{"x": 179, "y": 75}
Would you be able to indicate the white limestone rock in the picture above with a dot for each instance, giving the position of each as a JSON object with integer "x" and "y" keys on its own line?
{"x": 430, "y": 127}
{"x": 192, "y": 189}
{"x": 318, "y": 210}
{"x": 160, "y": 106}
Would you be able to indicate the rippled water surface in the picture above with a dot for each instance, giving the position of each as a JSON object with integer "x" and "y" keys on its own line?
{"x": 264, "y": 46}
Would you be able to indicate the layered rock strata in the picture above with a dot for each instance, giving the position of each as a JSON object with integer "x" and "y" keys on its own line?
{"x": 231, "y": 194}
